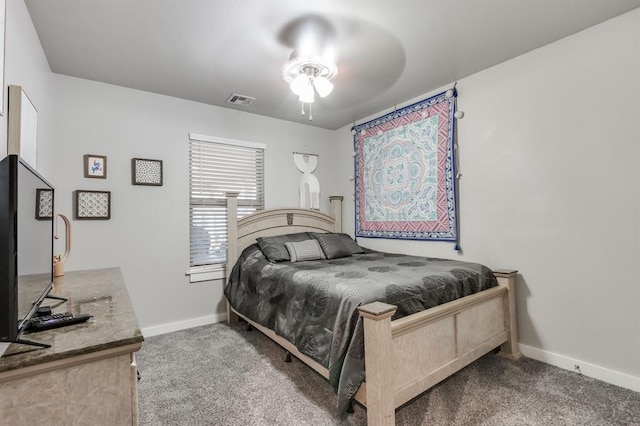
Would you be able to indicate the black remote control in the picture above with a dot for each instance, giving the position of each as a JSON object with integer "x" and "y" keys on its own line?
{"x": 48, "y": 322}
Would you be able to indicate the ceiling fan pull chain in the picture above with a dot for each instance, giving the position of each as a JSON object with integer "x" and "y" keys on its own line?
{"x": 310, "y": 113}
{"x": 301, "y": 108}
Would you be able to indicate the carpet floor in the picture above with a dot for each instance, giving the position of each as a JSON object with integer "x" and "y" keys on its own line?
{"x": 225, "y": 375}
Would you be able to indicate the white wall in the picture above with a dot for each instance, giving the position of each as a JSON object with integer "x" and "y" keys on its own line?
{"x": 549, "y": 157}
{"x": 148, "y": 234}
{"x": 26, "y": 65}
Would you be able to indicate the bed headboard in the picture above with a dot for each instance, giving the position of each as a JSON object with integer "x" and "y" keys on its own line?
{"x": 244, "y": 232}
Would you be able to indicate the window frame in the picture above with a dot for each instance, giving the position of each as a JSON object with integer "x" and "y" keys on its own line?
{"x": 217, "y": 270}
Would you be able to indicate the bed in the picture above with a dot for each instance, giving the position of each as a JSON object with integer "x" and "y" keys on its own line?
{"x": 403, "y": 348}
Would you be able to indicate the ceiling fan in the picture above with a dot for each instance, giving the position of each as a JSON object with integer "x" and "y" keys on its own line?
{"x": 335, "y": 63}
{"x": 311, "y": 66}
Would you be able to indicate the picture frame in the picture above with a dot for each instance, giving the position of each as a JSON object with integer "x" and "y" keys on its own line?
{"x": 92, "y": 205}
{"x": 3, "y": 27}
{"x": 22, "y": 134}
{"x": 44, "y": 204}
{"x": 145, "y": 171}
{"x": 95, "y": 166}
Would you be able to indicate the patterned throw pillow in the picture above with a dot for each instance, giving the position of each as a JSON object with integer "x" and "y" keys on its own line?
{"x": 305, "y": 250}
{"x": 274, "y": 249}
{"x": 337, "y": 245}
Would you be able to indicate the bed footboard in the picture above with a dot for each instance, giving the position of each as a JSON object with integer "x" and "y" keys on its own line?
{"x": 407, "y": 356}
{"x": 507, "y": 278}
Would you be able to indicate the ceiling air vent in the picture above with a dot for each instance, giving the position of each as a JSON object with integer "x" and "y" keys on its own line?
{"x": 240, "y": 99}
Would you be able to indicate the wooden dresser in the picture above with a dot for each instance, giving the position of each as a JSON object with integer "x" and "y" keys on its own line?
{"x": 88, "y": 376}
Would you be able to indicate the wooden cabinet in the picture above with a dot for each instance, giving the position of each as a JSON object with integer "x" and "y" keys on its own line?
{"x": 88, "y": 375}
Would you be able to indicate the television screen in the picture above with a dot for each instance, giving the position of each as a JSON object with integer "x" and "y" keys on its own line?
{"x": 35, "y": 239}
{"x": 26, "y": 244}
{"x": 35, "y": 251}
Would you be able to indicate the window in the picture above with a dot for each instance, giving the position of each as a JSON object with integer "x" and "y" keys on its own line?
{"x": 218, "y": 166}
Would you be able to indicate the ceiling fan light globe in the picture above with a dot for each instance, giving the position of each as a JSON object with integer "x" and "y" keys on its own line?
{"x": 299, "y": 84}
{"x": 307, "y": 95}
{"x": 323, "y": 86}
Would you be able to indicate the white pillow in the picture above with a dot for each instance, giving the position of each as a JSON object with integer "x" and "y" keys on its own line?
{"x": 304, "y": 250}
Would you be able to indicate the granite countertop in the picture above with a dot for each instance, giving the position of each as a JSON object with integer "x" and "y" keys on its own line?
{"x": 99, "y": 292}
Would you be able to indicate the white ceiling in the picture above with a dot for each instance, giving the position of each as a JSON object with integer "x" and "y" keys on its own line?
{"x": 387, "y": 52}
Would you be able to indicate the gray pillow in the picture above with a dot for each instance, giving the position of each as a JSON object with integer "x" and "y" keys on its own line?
{"x": 337, "y": 245}
{"x": 304, "y": 250}
{"x": 274, "y": 249}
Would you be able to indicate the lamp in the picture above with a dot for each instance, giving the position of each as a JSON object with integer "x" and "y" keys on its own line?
{"x": 307, "y": 75}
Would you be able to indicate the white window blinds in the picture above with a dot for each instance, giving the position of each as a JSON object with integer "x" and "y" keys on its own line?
{"x": 218, "y": 166}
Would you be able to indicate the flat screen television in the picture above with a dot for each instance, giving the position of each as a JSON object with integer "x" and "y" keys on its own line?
{"x": 26, "y": 246}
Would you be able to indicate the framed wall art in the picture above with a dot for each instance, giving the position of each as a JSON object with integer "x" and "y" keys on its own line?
{"x": 146, "y": 172}
{"x": 44, "y": 204}
{"x": 3, "y": 26}
{"x": 94, "y": 205}
{"x": 22, "y": 138}
{"x": 95, "y": 166}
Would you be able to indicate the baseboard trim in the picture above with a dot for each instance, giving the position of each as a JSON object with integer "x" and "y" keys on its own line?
{"x": 591, "y": 370}
{"x": 182, "y": 325}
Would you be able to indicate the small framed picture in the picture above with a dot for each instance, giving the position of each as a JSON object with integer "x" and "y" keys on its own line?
{"x": 44, "y": 204}
{"x": 95, "y": 166}
{"x": 94, "y": 205}
{"x": 146, "y": 172}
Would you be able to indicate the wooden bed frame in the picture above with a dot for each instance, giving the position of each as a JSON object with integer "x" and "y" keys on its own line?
{"x": 405, "y": 357}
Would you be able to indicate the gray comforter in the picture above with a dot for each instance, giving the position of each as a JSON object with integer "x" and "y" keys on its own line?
{"x": 313, "y": 304}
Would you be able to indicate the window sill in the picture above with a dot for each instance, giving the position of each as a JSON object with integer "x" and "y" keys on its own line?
{"x": 207, "y": 273}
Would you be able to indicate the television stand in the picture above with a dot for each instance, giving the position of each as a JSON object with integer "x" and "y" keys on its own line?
{"x": 51, "y": 296}
{"x": 60, "y": 300}
{"x": 25, "y": 341}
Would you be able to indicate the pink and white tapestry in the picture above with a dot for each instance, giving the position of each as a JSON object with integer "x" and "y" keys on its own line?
{"x": 405, "y": 173}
